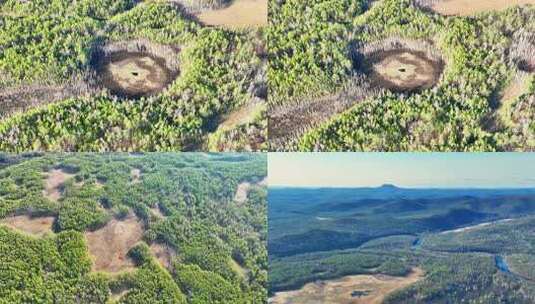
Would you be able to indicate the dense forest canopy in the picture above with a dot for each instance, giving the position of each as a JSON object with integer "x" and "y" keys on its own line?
{"x": 196, "y": 243}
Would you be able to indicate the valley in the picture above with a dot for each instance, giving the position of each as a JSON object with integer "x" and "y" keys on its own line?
{"x": 467, "y": 238}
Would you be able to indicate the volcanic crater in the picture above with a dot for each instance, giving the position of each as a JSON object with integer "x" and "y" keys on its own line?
{"x": 400, "y": 66}
{"x": 403, "y": 70}
{"x": 135, "y": 69}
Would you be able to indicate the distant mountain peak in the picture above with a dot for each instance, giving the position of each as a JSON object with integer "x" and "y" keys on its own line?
{"x": 388, "y": 186}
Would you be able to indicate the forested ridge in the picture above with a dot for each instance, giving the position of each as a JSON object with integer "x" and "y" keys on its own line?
{"x": 184, "y": 202}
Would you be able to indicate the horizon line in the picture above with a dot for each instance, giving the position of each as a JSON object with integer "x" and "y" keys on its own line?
{"x": 509, "y": 187}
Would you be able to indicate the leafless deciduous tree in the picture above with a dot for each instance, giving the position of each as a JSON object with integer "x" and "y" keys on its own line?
{"x": 522, "y": 51}
{"x": 27, "y": 96}
{"x": 195, "y": 6}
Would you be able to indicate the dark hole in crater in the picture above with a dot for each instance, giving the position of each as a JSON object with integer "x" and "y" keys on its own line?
{"x": 360, "y": 293}
{"x": 132, "y": 74}
{"x": 427, "y": 70}
{"x": 261, "y": 91}
{"x": 526, "y": 66}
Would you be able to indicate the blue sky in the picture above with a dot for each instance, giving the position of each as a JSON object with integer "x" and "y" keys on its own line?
{"x": 440, "y": 170}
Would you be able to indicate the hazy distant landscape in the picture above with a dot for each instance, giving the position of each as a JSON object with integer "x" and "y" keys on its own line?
{"x": 395, "y": 245}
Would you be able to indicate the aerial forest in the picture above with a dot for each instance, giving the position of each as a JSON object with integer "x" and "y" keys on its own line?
{"x": 400, "y": 75}
{"x": 133, "y": 228}
{"x": 129, "y": 75}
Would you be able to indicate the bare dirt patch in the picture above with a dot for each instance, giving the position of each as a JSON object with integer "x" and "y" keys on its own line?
{"x": 243, "y": 115}
{"x": 135, "y": 175}
{"x": 241, "y": 192}
{"x": 134, "y": 74}
{"x": 156, "y": 211}
{"x": 163, "y": 253}
{"x": 239, "y": 14}
{"x": 243, "y": 189}
{"x": 109, "y": 245}
{"x": 473, "y": 7}
{"x": 240, "y": 270}
{"x": 37, "y": 226}
{"x": 54, "y": 183}
{"x": 400, "y": 65}
{"x": 135, "y": 69}
{"x": 518, "y": 86}
{"x": 358, "y": 289}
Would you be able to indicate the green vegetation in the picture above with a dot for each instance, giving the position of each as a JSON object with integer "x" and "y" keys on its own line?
{"x": 47, "y": 48}
{"x": 307, "y": 43}
{"x": 217, "y": 247}
{"x": 312, "y": 56}
{"x": 523, "y": 264}
{"x": 323, "y": 234}
{"x": 80, "y": 215}
{"x": 151, "y": 283}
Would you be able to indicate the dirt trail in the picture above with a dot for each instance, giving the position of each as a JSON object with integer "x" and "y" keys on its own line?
{"x": 37, "y": 226}
{"x": 244, "y": 114}
{"x": 157, "y": 212}
{"x": 163, "y": 253}
{"x": 55, "y": 179}
{"x": 116, "y": 296}
{"x": 240, "y": 270}
{"x": 135, "y": 174}
{"x": 518, "y": 86}
{"x": 357, "y": 289}
{"x": 239, "y": 14}
{"x": 243, "y": 190}
{"x": 109, "y": 245}
{"x": 472, "y": 7}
